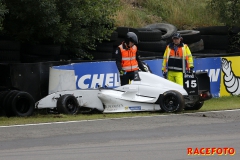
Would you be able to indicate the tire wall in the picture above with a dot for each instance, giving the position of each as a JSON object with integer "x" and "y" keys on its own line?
{"x": 29, "y": 77}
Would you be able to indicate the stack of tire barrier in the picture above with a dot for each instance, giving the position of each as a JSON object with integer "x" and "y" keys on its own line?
{"x": 9, "y": 50}
{"x": 31, "y": 53}
{"x": 190, "y": 37}
{"x": 104, "y": 50}
{"x": 215, "y": 39}
{"x": 23, "y": 84}
{"x": 234, "y": 39}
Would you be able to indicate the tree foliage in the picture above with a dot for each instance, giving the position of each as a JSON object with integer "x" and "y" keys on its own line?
{"x": 75, "y": 23}
{"x": 228, "y": 11}
{"x": 3, "y": 11}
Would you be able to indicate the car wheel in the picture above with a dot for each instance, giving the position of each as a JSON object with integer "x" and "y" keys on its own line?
{"x": 172, "y": 101}
{"x": 67, "y": 104}
{"x": 196, "y": 106}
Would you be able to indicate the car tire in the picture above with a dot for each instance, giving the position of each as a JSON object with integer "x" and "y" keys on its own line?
{"x": 172, "y": 101}
{"x": 196, "y": 106}
{"x": 67, "y": 104}
{"x": 22, "y": 104}
{"x": 166, "y": 28}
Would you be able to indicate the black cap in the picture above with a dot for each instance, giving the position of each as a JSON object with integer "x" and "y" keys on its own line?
{"x": 176, "y": 35}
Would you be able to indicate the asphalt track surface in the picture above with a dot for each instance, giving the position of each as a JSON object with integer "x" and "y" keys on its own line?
{"x": 164, "y": 137}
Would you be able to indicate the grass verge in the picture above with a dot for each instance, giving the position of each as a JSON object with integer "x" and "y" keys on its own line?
{"x": 223, "y": 103}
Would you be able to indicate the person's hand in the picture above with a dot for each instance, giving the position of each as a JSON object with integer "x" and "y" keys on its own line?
{"x": 164, "y": 74}
{"x": 191, "y": 70}
{"x": 146, "y": 69}
{"x": 122, "y": 72}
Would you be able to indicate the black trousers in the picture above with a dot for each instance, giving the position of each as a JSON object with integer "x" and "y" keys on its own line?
{"x": 127, "y": 77}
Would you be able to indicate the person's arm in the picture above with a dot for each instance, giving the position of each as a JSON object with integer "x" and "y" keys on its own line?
{"x": 190, "y": 58}
{"x": 140, "y": 65}
{"x": 164, "y": 62}
{"x": 118, "y": 57}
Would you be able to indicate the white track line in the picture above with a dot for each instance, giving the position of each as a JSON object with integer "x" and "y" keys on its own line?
{"x": 39, "y": 124}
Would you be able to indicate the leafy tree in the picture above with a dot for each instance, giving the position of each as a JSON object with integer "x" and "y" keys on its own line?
{"x": 73, "y": 23}
{"x": 3, "y": 11}
{"x": 228, "y": 11}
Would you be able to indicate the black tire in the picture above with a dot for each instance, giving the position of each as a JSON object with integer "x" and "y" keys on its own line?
{"x": 101, "y": 55}
{"x": 2, "y": 96}
{"x": 104, "y": 46}
{"x": 22, "y": 104}
{"x": 197, "y": 46}
{"x": 169, "y": 29}
{"x": 9, "y": 56}
{"x": 118, "y": 42}
{"x": 113, "y": 36}
{"x": 149, "y": 35}
{"x": 67, "y": 104}
{"x": 190, "y": 36}
{"x": 219, "y": 42}
{"x": 41, "y": 50}
{"x": 122, "y": 31}
{"x": 196, "y": 106}
{"x": 7, "y": 103}
{"x": 9, "y": 45}
{"x": 172, "y": 101}
{"x": 213, "y": 30}
{"x": 150, "y": 54}
{"x": 36, "y": 58}
{"x": 158, "y": 46}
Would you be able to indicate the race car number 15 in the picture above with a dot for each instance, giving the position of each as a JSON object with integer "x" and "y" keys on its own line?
{"x": 191, "y": 85}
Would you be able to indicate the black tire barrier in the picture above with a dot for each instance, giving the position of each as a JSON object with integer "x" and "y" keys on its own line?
{"x": 213, "y": 30}
{"x": 118, "y": 42}
{"x": 149, "y": 35}
{"x": 158, "y": 46}
{"x": 190, "y": 36}
{"x": 22, "y": 104}
{"x": 40, "y": 50}
{"x": 2, "y": 96}
{"x": 219, "y": 42}
{"x": 104, "y": 46}
{"x": 9, "y": 56}
{"x": 97, "y": 55}
{"x": 113, "y": 36}
{"x": 234, "y": 30}
{"x": 122, "y": 31}
{"x": 27, "y": 58}
{"x": 7, "y": 103}
{"x": 197, "y": 46}
{"x": 67, "y": 104}
{"x": 150, "y": 54}
{"x": 166, "y": 28}
{"x": 9, "y": 45}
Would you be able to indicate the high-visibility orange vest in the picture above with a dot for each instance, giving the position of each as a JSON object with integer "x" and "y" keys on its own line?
{"x": 129, "y": 62}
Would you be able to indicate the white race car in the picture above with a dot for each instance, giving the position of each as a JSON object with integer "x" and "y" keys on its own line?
{"x": 147, "y": 92}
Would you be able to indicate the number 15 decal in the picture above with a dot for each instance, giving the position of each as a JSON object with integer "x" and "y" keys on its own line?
{"x": 191, "y": 83}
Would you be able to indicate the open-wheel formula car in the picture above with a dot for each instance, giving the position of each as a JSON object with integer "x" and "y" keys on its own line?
{"x": 147, "y": 92}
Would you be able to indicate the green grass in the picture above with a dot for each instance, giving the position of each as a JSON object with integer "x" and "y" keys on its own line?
{"x": 184, "y": 14}
{"x": 223, "y": 103}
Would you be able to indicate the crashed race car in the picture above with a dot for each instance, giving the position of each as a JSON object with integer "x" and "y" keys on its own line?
{"x": 147, "y": 92}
